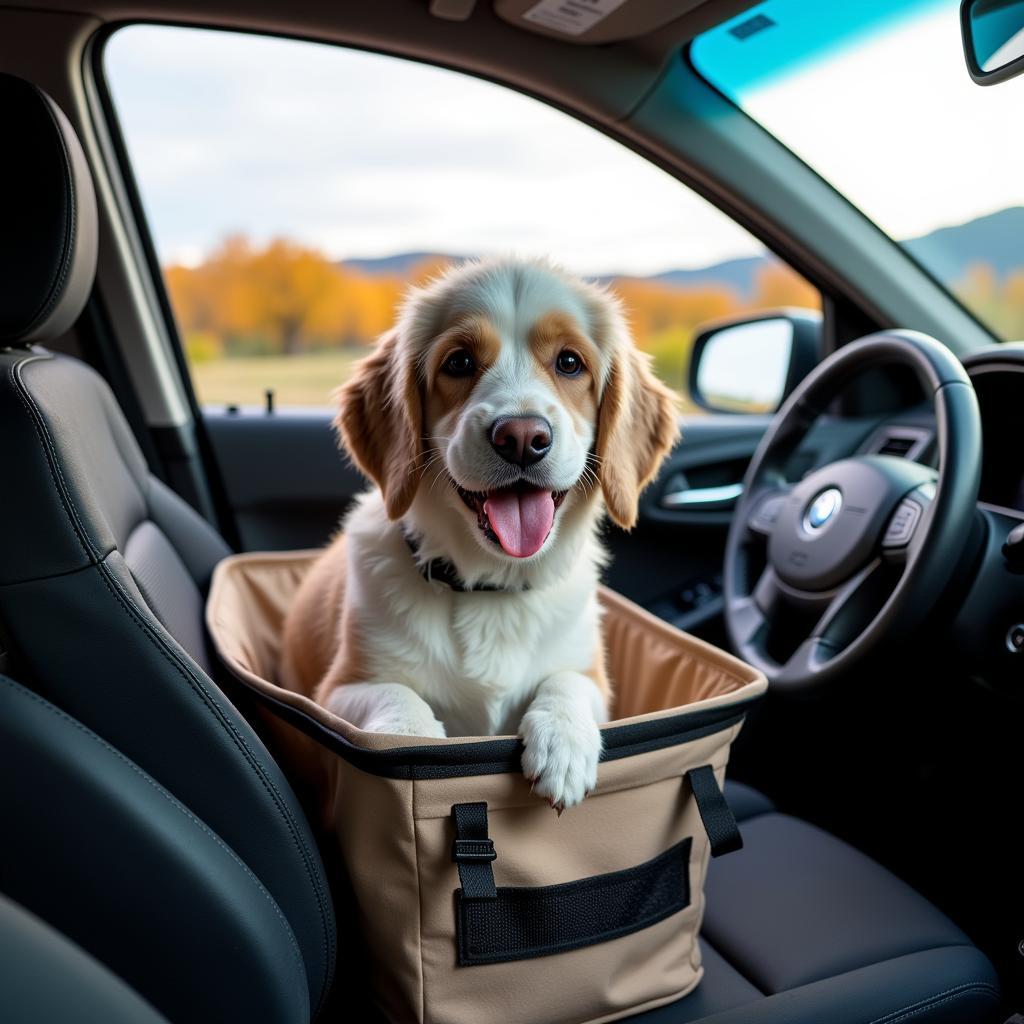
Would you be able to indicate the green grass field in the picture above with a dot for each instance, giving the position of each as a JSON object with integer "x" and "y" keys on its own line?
{"x": 296, "y": 380}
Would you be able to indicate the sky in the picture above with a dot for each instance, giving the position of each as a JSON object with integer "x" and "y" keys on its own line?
{"x": 366, "y": 155}
{"x": 363, "y": 155}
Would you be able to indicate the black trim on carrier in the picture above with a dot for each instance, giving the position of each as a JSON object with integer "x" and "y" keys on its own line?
{"x": 497, "y": 757}
{"x": 522, "y": 923}
{"x": 715, "y": 813}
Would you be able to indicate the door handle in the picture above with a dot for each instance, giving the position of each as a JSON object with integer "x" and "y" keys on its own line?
{"x": 702, "y": 499}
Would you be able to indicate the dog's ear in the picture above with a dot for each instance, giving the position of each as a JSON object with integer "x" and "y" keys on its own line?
{"x": 637, "y": 426}
{"x": 380, "y": 422}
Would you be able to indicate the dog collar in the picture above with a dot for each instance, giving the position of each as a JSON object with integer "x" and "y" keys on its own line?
{"x": 440, "y": 570}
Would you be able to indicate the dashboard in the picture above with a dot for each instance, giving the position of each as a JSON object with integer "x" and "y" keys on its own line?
{"x": 1000, "y": 389}
{"x": 987, "y": 629}
{"x": 908, "y": 430}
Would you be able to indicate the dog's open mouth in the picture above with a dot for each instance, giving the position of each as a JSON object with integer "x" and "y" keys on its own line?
{"x": 519, "y": 517}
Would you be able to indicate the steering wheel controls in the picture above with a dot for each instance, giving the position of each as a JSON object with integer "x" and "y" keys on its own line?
{"x": 767, "y": 513}
{"x": 1013, "y": 547}
{"x": 831, "y": 523}
{"x": 902, "y": 525}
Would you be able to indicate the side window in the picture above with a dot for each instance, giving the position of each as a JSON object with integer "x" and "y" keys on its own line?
{"x": 292, "y": 207}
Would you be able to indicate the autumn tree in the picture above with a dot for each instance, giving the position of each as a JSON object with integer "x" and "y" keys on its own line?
{"x": 777, "y": 286}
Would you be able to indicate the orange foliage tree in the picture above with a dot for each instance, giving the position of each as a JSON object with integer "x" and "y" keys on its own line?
{"x": 999, "y": 302}
{"x": 284, "y": 298}
{"x": 280, "y": 299}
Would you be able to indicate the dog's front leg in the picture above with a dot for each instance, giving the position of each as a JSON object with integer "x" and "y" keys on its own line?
{"x": 384, "y": 707}
{"x": 561, "y": 736}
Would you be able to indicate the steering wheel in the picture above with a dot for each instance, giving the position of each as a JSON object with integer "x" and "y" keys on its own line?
{"x": 819, "y": 572}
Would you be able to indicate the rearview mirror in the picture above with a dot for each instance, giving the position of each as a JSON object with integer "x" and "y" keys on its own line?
{"x": 750, "y": 364}
{"x": 993, "y": 32}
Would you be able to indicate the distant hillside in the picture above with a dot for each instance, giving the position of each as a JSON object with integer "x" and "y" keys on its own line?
{"x": 398, "y": 265}
{"x": 996, "y": 239}
{"x": 738, "y": 274}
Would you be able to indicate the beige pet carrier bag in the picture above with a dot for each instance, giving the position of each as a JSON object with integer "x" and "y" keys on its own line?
{"x": 477, "y": 902}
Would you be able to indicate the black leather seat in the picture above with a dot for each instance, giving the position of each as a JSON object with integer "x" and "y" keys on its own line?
{"x": 102, "y": 571}
{"x": 44, "y": 977}
{"x": 157, "y": 895}
{"x": 802, "y": 928}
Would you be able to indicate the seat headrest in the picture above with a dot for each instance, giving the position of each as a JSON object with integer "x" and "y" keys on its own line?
{"x": 48, "y": 222}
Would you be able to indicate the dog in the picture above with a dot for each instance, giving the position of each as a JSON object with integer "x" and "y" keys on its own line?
{"x": 505, "y": 411}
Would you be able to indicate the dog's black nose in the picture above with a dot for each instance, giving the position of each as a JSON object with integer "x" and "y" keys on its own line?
{"x": 521, "y": 440}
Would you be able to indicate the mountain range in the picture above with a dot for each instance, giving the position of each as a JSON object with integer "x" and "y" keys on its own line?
{"x": 996, "y": 239}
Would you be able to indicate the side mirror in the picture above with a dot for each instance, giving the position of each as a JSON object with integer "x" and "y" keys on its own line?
{"x": 993, "y": 32}
{"x": 750, "y": 364}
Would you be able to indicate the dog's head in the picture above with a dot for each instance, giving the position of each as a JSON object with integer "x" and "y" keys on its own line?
{"x": 508, "y": 392}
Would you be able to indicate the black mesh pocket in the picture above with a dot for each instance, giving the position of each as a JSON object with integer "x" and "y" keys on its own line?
{"x": 520, "y": 923}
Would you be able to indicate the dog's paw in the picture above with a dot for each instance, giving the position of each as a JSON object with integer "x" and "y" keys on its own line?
{"x": 424, "y": 725}
{"x": 385, "y": 707}
{"x": 561, "y": 755}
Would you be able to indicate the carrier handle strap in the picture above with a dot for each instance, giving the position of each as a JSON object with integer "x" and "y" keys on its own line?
{"x": 473, "y": 851}
{"x": 715, "y": 813}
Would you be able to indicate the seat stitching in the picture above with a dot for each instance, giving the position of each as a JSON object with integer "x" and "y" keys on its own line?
{"x": 119, "y": 594}
{"x": 173, "y": 800}
{"x": 34, "y": 415}
{"x": 162, "y": 647}
{"x": 127, "y": 605}
{"x": 939, "y": 999}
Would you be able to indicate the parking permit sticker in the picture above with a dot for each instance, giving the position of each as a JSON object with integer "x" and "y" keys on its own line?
{"x": 573, "y": 17}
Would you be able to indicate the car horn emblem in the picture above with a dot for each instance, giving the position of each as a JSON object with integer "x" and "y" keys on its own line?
{"x": 822, "y": 510}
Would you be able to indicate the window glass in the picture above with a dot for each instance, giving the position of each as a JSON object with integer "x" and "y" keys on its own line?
{"x": 875, "y": 96}
{"x": 295, "y": 190}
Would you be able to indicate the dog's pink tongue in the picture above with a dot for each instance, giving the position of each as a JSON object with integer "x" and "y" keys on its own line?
{"x": 521, "y": 520}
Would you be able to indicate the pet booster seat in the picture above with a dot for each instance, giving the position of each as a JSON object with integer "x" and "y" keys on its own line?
{"x": 476, "y": 901}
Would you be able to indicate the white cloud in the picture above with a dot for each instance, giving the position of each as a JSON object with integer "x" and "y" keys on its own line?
{"x": 365, "y": 155}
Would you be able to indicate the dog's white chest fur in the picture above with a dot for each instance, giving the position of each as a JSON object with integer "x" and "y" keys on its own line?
{"x": 475, "y": 657}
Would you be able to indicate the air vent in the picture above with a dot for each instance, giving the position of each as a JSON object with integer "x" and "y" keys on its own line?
{"x": 898, "y": 446}
{"x": 900, "y": 442}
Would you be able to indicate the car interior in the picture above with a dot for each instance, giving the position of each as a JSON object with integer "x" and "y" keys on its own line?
{"x": 159, "y": 865}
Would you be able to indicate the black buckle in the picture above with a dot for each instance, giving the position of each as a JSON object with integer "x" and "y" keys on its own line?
{"x": 473, "y": 851}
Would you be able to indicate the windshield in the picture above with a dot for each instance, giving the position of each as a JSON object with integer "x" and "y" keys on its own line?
{"x": 875, "y": 96}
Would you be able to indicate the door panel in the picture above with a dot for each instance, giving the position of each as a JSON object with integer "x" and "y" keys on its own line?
{"x": 671, "y": 563}
{"x": 285, "y": 478}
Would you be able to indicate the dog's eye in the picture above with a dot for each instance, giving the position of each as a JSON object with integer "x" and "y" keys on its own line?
{"x": 568, "y": 363}
{"x": 459, "y": 364}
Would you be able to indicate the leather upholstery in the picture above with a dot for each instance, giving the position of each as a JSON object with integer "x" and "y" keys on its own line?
{"x": 48, "y": 212}
{"x": 85, "y": 518}
{"x": 802, "y": 929}
{"x": 44, "y": 977}
{"x": 102, "y": 568}
{"x": 181, "y": 918}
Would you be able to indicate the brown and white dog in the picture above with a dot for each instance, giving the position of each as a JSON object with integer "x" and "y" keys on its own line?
{"x": 507, "y": 401}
